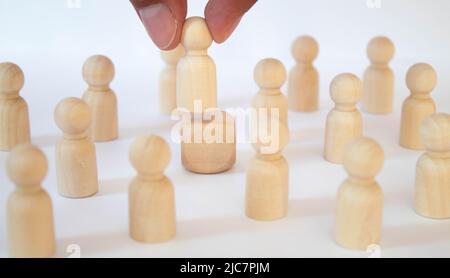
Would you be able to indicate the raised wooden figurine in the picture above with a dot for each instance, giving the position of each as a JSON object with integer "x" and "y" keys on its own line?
{"x": 360, "y": 198}
{"x": 76, "y": 162}
{"x": 98, "y": 72}
{"x": 14, "y": 119}
{"x": 30, "y": 225}
{"x": 432, "y": 194}
{"x": 196, "y": 71}
{"x": 421, "y": 79}
{"x": 197, "y": 96}
{"x": 151, "y": 194}
{"x": 378, "y": 92}
{"x": 167, "y": 80}
{"x": 303, "y": 87}
{"x": 344, "y": 122}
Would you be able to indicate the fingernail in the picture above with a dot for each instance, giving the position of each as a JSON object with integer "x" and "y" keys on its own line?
{"x": 160, "y": 23}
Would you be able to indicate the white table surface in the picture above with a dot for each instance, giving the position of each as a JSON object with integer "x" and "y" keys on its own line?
{"x": 210, "y": 208}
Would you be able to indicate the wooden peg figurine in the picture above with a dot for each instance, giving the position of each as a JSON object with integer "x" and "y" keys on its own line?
{"x": 151, "y": 194}
{"x": 360, "y": 198}
{"x": 421, "y": 79}
{"x": 29, "y": 209}
{"x": 303, "y": 89}
{"x": 378, "y": 92}
{"x": 196, "y": 71}
{"x": 270, "y": 75}
{"x": 344, "y": 122}
{"x": 208, "y": 146}
{"x": 197, "y": 95}
{"x": 266, "y": 197}
{"x": 167, "y": 80}
{"x": 432, "y": 195}
{"x": 76, "y": 162}
{"x": 14, "y": 121}
{"x": 98, "y": 72}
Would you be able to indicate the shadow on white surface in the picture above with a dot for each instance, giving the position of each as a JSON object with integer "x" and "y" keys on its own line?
{"x": 303, "y": 208}
{"x": 162, "y": 124}
{"x": 417, "y": 234}
{"x": 210, "y": 227}
{"x": 92, "y": 244}
{"x": 113, "y": 186}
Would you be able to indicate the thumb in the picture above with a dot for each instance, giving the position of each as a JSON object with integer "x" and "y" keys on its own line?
{"x": 163, "y": 20}
{"x": 223, "y": 16}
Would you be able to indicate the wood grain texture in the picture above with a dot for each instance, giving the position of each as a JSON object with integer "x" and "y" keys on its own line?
{"x": 344, "y": 122}
{"x": 196, "y": 71}
{"x": 360, "y": 198}
{"x": 270, "y": 75}
{"x": 213, "y": 154}
{"x": 267, "y": 180}
{"x": 151, "y": 197}
{"x": 98, "y": 72}
{"x": 76, "y": 162}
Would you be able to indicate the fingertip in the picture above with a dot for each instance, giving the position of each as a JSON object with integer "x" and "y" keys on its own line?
{"x": 163, "y": 20}
{"x": 223, "y": 16}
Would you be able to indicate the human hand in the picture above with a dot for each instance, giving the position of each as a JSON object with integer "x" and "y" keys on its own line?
{"x": 164, "y": 19}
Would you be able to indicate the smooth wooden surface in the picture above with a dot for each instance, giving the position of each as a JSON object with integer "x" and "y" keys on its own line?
{"x": 14, "y": 119}
{"x": 270, "y": 75}
{"x": 29, "y": 209}
{"x": 360, "y": 198}
{"x": 76, "y": 162}
{"x": 209, "y": 155}
{"x": 344, "y": 122}
{"x": 378, "y": 90}
{"x": 303, "y": 85}
{"x": 421, "y": 79}
{"x": 432, "y": 194}
{"x": 151, "y": 197}
{"x": 168, "y": 80}
{"x": 267, "y": 181}
{"x": 196, "y": 71}
{"x": 98, "y": 72}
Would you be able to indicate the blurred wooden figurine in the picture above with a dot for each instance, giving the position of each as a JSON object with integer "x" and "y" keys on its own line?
{"x": 76, "y": 163}
{"x": 268, "y": 173}
{"x": 344, "y": 122}
{"x": 360, "y": 198}
{"x": 98, "y": 72}
{"x": 421, "y": 79}
{"x": 378, "y": 92}
{"x": 14, "y": 119}
{"x": 303, "y": 89}
{"x": 151, "y": 194}
{"x": 270, "y": 75}
{"x": 167, "y": 80}
{"x": 432, "y": 195}
{"x": 29, "y": 210}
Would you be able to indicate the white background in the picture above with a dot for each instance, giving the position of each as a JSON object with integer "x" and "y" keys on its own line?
{"x": 51, "y": 41}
